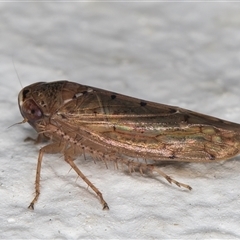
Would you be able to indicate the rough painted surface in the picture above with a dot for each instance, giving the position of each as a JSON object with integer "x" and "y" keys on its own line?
{"x": 184, "y": 54}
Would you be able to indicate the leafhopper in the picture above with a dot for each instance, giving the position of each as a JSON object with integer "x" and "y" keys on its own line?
{"x": 111, "y": 127}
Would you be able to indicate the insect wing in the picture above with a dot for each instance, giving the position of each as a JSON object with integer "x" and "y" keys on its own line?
{"x": 138, "y": 128}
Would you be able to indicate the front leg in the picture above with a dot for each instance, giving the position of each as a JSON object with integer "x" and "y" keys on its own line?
{"x": 51, "y": 148}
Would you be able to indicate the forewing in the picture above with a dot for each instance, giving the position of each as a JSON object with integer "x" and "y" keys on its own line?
{"x": 140, "y": 128}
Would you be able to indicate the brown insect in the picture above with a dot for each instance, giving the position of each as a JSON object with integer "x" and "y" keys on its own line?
{"x": 115, "y": 128}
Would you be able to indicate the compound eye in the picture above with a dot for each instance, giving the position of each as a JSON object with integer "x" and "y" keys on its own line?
{"x": 31, "y": 111}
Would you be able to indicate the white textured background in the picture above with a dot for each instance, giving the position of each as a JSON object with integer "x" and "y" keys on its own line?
{"x": 185, "y": 54}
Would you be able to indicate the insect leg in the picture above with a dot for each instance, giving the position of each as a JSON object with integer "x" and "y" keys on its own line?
{"x": 37, "y": 181}
{"x": 69, "y": 160}
{"x": 141, "y": 167}
{"x": 51, "y": 148}
{"x": 171, "y": 180}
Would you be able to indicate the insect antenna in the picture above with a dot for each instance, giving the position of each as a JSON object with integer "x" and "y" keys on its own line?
{"x": 23, "y": 121}
{"x": 16, "y": 72}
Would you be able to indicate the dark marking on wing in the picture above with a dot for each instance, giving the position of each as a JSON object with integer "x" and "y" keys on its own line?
{"x": 143, "y": 104}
